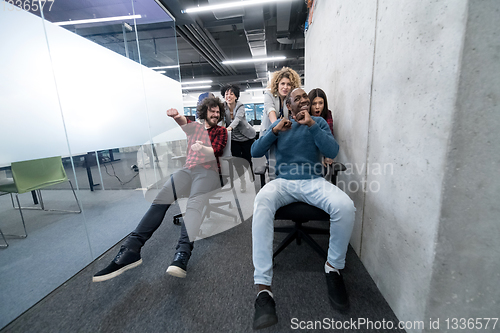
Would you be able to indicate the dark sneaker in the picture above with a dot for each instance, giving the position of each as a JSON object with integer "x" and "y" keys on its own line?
{"x": 265, "y": 311}
{"x": 336, "y": 291}
{"x": 124, "y": 260}
{"x": 179, "y": 265}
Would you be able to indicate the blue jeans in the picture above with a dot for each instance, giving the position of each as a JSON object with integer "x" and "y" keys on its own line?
{"x": 317, "y": 192}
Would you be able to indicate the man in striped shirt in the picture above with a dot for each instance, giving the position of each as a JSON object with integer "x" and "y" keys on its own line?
{"x": 197, "y": 179}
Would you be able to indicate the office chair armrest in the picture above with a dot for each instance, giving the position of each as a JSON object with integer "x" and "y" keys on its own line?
{"x": 230, "y": 161}
{"x": 333, "y": 170}
{"x": 337, "y": 166}
{"x": 260, "y": 170}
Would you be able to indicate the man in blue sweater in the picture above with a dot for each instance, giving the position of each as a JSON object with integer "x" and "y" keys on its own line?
{"x": 299, "y": 145}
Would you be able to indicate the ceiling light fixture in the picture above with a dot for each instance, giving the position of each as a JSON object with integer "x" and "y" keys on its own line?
{"x": 255, "y": 89}
{"x": 242, "y": 61}
{"x": 161, "y": 72}
{"x": 227, "y": 5}
{"x": 165, "y": 67}
{"x": 196, "y": 87}
{"x": 197, "y": 82}
{"x": 104, "y": 19}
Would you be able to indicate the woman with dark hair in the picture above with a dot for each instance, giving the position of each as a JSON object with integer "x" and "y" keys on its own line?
{"x": 319, "y": 106}
{"x": 242, "y": 133}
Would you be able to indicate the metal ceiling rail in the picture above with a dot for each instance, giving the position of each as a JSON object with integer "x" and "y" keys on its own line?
{"x": 199, "y": 39}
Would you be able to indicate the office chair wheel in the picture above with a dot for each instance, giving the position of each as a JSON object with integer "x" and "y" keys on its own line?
{"x": 177, "y": 220}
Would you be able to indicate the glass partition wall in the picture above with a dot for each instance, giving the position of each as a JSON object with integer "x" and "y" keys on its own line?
{"x": 88, "y": 83}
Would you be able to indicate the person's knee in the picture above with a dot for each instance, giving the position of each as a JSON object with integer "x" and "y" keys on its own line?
{"x": 265, "y": 198}
{"x": 345, "y": 205}
{"x": 197, "y": 203}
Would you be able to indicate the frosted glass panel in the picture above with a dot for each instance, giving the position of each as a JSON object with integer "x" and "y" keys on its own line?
{"x": 30, "y": 115}
{"x": 103, "y": 96}
{"x": 78, "y": 93}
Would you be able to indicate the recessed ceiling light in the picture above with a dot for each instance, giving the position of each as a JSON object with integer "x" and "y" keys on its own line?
{"x": 197, "y": 82}
{"x": 255, "y": 89}
{"x": 165, "y": 67}
{"x": 227, "y": 5}
{"x": 242, "y": 61}
{"x": 196, "y": 87}
{"x": 103, "y": 19}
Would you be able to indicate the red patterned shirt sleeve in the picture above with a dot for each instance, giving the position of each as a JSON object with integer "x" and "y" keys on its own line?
{"x": 329, "y": 120}
{"x": 218, "y": 138}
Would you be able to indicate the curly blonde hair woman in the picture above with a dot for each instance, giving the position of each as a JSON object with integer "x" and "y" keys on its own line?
{"x": 281, "y": 83}
{"x": 285, "y": 72}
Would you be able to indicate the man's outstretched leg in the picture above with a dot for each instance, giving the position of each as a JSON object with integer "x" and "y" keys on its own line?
{"x": 204, "y": 183}
{"x": 129, "y": 255}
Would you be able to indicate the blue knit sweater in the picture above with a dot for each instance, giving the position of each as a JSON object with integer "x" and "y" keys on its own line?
{"x": 298, "y": 150}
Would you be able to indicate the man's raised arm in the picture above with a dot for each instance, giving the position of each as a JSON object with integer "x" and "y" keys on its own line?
{"x": 179, "y": 118}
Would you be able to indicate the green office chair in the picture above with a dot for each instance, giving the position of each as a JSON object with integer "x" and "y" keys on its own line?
{"x": 2, "y": 246}
{"x": 34, "y": 175}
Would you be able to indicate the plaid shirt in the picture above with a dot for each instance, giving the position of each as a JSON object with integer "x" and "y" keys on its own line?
{"x": 329, "y": 120}
{"x": 215, "y": 136}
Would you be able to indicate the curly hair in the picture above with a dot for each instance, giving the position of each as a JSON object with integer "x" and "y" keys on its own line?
{"x": 278, "y": 75}
{"x": 317, "y": 92}
{"x": 207, "y": 103}
{"x": 234, "y": 88}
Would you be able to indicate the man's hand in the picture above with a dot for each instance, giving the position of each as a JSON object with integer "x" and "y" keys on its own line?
{"x": 197, "y": 146}
{"x": 304, "y": 118}
{"x": 173, "y": 113}
{"x": 283, "y": 125}
{"x": 327, "y": 161}
{"x": 179, "y": 118}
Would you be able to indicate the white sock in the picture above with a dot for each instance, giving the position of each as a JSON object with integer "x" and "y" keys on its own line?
{"x": 329, "y": 269}
{"x": 268, "y": 291}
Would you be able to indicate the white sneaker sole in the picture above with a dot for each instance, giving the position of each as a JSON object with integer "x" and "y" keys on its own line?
{"x": 116, "y": 273}
{"x": 176, "y": 271}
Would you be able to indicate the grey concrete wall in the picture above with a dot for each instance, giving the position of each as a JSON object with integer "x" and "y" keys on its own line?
{"x": 396, "y": 76}
{"x": 466, "y": 267}
{"x": 339, "y": 59}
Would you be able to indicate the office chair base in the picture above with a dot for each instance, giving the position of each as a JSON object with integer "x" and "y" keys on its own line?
{"x": 177, "y": 219}
{"x": 299, "y": 233}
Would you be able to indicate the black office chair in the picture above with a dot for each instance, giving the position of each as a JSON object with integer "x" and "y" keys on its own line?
{"x": 227, "y": 178}
{"x": 300, "y": 213}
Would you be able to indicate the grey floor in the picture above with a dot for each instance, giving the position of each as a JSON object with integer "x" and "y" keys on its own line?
{"x": 217, "y": 295}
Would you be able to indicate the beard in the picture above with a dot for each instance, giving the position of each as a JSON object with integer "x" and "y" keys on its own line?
{"x": 212, "y": 121}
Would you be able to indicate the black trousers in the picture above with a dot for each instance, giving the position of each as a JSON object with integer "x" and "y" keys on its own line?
{"x": 197, "y": 184}
{"x": 241, "y": 149}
